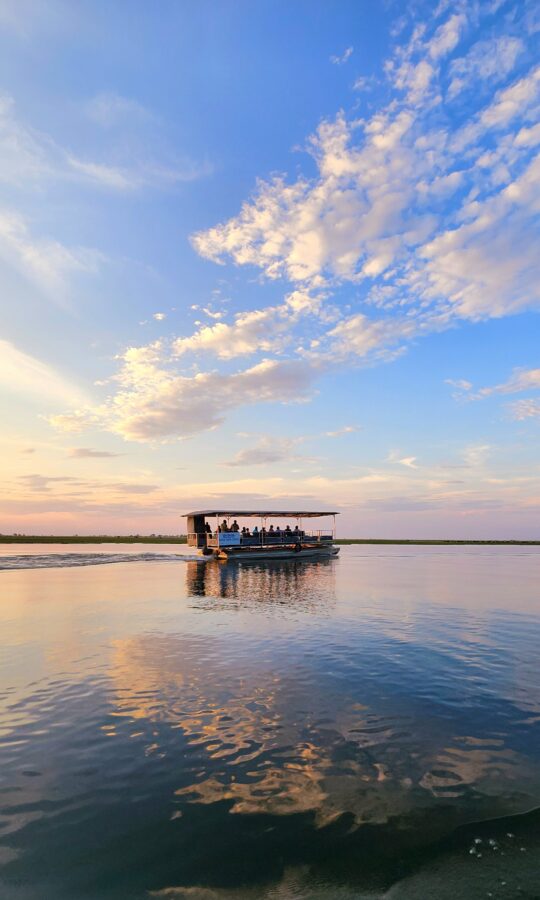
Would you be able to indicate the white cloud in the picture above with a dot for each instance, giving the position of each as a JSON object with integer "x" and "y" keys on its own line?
{"x": 513, "y": 101}
{"x": 409, "y": 462}
{"x": 267, "y": 451}
{"x": 447, "y": 36}
{"x": 90, "y": 453}
{"x": 460, "y": 383}
{"x": 488, "y": 60}
{"x": 23, "y": 374}
{"x": 525, "y": 409}
{"x": 520, "y": 380}
{"x": 476, "y": 455}
{"x": 155, "y": 402}
{"x": 265, "y": 330}
{"x": 27, "y": 155}
{"x": 47, "y": 263}
{"x": 159, "y": 316}
{"x": 341, "y": 60}
{"x": 339, "y": 432}
{"x": 109, "y": 109}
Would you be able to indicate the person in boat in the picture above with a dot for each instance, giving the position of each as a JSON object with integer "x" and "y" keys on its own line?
{"x": 207, "y": 528}
{"x": 255, "y": 532}
{"x": 288, "y": 530}
{"x": 224, "y": 528}
{"x": 235, "y": 526}
{"x": 278, "y": 531}
{"x": 297, "y": 533}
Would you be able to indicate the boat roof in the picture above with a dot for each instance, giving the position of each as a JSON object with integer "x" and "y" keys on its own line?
{"x": 262, "y": 513}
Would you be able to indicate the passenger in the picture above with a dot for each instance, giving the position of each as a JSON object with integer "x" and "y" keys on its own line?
{"x": 278, "y": 530}
{"x": 255, "y": 531}
{"x": 247, "y": 532}
{"x": 207, "y": 528}
{"x": 271, "y": 530}
{"x": 235, "y": 526}
{"x": 224, "y": 527}
{"x": 288, "y": 529}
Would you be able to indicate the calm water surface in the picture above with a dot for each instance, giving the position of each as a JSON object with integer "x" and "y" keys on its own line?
{"x": 367, "y": 727}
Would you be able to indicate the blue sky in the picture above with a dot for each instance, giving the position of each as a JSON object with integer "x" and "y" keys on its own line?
{"x": 259, "y": 251}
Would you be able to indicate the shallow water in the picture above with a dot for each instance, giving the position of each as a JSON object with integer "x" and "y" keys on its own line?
{"x": 364, "y": 727}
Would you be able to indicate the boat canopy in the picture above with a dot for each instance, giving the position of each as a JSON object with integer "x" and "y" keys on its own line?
{"x": 262, "y": 513}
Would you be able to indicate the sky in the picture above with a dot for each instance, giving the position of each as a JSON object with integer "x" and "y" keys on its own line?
{"x": 270, "y": 254}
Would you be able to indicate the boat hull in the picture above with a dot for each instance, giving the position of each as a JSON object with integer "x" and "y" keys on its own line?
{"x": 265, "y": 553}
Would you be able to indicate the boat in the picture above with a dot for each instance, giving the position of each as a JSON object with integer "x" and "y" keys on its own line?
{"x": 213, "y": 533}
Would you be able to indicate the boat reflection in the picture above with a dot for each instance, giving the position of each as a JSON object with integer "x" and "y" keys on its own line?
{"x": 302, "y": 584}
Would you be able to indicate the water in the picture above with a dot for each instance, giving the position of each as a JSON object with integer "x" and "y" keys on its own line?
{"x": 366, "y": 727}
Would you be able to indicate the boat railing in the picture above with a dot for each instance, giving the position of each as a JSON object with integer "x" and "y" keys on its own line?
{"x": 261, "y": 538}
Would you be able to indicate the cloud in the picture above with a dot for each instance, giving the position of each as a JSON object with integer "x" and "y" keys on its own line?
{"x": 257, "y": 330}
{"x": 520, "y": 380}
{"x": 48, "y": 264}
{"x": 341, "y": 60}
{"x": 461, "y": 384}
{"x": 488, "y": 60}
{"x": 513, "y": 101}
{"x": 447, "y": 36}
{"x": 339, "y": 432}
{"x": 23, "y": 374}
{"x": 155, "y": 402}
{"x": 28, "y": 156}
{"x": 408, "y": 461}
{"x": 476, "y": 455}
{"x": 267, "y": 451}
{"x": 525, "y": 409}
{"x": 109, "y": 109}
{"x": 265, "y": 330}
{"x": 159, "y": 316}
{"x": 89, "y": 453}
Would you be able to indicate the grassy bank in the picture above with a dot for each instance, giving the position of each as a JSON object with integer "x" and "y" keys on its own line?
{"x": 92, "y": 539}
{"x": 181, "y": 539}
{"x": 436, "y": 542}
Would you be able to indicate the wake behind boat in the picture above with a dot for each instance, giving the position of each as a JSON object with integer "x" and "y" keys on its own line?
{"x": 226, "y": 540}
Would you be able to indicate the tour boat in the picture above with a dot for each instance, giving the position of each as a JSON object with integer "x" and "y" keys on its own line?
{"x": 223, "y": 538}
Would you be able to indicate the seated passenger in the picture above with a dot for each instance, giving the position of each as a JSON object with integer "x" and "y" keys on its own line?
{"x": 288, "y": 529}
{"x": 271, "y": 529}
{"x": 255, "y": 531}
{"x": 278, "y": 529}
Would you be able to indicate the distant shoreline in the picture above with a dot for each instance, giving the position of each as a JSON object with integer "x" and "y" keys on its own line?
{"x": 181, "y": 539}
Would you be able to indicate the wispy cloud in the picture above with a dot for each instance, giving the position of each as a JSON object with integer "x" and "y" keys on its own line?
{"x": 28, "y": 156}
{"x": 21, "y": 373}
{"x": 47, "y": 263}
{"x": 109, "y": 109}
{"x": 341, "y": 59}
{"x": 155, "y": 402}
{"x": 89, "y": 453}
